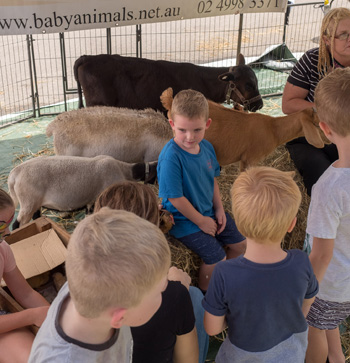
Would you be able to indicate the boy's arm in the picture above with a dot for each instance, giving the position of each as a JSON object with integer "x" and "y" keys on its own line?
{"x": 218, "y": 208}
{"x": 321, "y": 255}
{"x": 183, "y": 205}
{"x": 186, "y": 348}
{"x": 306, "y": 305}
{"x": 214, "y": 324}
{"x": 22, "y": 291}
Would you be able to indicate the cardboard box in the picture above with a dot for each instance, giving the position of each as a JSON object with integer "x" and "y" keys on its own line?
{"x": 8, "y": 303}
{"x": 39, "y": 247}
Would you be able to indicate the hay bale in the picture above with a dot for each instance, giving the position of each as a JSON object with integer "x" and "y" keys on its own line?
{"x": 189, "y": 261}
{"x": 183, "y": 258}
{"x": 281, "y": 160}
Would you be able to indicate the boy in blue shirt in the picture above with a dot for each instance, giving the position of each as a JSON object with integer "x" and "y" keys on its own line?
{"x": 264, "y": 295}
{"x": 187, "y": 171}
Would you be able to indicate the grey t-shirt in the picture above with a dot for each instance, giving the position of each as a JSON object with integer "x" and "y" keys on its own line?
{"x": 53, "y": 345}
{"x": 329, "y": 218}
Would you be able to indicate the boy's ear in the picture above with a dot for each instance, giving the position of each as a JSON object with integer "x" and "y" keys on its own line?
{"x": 171, "y": 122}
{"x": 117, "y": 317}
{"x": 325, "y": 128}
{"x": 292, "y": 225}
{"x": 208, "y": 123}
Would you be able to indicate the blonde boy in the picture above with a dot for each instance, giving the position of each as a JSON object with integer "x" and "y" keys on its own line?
{"x": 328, "y": 224}
{"x": 116, "y": 266}
{"x": 187, "y": 171}
{"x": 264, "y": 295}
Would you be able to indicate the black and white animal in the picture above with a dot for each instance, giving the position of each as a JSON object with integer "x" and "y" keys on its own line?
{"x": 114, "y": 80}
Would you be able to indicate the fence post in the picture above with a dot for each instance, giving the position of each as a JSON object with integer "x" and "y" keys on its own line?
{"x": 138, "y": 41}
{"x": 64, "y": 69}
{"x": 109, "y": 41}
{"x": 32, "y": 74}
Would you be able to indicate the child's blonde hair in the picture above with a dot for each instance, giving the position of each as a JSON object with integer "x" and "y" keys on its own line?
{"x": 131, "y": 196}
{"x": 264, "y": 202}
{"x": 328, "y": 29}
{"x": 191, "y": 104}
{"x": 5, "y": 200}
{"x": 332, "y": 100}
{"x": 114, "y": 258}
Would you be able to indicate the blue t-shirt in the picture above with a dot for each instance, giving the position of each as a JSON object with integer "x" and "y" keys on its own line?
{"x": 262, "y": 302}
{"x": 181, "y": 174}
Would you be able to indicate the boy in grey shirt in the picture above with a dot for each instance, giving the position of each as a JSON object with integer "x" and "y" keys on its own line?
{"x": 117, "y": 265}
{"x": 328, "y": 224}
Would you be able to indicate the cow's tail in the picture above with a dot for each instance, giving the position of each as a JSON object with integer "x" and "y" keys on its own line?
{"x": 77, "y": 64}
{"x": 166, "y": 98}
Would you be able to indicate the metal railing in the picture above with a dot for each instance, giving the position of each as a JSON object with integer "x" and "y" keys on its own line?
{"x": 36, "y": 71}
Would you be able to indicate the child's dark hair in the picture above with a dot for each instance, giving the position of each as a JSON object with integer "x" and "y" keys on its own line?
{"x": 5, "y": 200}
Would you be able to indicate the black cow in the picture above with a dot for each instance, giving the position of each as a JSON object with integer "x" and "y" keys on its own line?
{"x": 114, "y": 80}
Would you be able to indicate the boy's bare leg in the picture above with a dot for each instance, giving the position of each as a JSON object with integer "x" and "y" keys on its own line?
{"x": 15, "y": 346}
{"x": 236, "y": 249}
{"x": 317, "y": 349}
{"x": 205, "y": 272}
{"x": 335, "y": 351}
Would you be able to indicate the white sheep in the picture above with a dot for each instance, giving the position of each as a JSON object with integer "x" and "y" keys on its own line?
{"x": 249, "y": 137}
{"x": 66, "y": 183}
{"x": 128, "y": 135}
{"x": 135, "y": 136}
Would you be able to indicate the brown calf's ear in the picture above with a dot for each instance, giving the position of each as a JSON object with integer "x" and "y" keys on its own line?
{"x": 312, "y": 134}
{"x": 166, "y": 98}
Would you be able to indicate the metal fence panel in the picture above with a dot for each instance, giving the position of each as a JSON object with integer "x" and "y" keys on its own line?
{"x": 15, "y": 79}
{"x": 46, "y": 76}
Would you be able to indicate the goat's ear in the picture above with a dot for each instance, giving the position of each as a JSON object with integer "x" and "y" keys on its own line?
{"x": 241, "y": 60}
{"x": 312, "y": 134}
{"x": 226, "y": 77}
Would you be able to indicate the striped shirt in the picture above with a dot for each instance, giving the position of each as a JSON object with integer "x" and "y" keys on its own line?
{"x": 305, "y": 73}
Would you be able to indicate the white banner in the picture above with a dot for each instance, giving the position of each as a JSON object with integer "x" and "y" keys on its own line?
{"x": 52, "y": 16}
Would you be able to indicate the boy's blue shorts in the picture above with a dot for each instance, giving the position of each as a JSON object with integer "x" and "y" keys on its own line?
{"x": 210, "y": 249}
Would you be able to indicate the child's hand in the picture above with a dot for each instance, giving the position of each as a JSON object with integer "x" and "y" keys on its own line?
{"x": 175, "y": 274}
{"x": 208, "y": 225}
{"x": 39, "y": 314}
{"x": 220, "y": 220}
